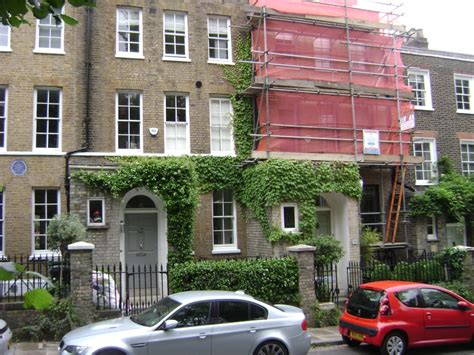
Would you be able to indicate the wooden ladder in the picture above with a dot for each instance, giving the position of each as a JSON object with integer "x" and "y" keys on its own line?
{"x": 396, "y": 200}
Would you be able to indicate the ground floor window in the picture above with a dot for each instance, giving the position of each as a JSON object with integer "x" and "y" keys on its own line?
{"x": 2, "y": 219}
{"x": 370, "y": 211}
{"x": 223, "y": 220}
{"x": 289, "y": 217}
{"x": 431, "y": 230}
{"x": 45, "y": 207}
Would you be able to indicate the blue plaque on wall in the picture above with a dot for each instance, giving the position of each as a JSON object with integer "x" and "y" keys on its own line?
{"x": 18, "y": 167}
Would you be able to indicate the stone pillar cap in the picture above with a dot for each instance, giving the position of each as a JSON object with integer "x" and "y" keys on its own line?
{"x": 301, "y": 247}
{"x": 81, "y": 246}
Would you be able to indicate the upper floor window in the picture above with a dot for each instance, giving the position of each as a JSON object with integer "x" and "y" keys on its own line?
{"x": 5, "y": 38}
{"x": 175, "y": 35}
{"x": 47, "y": 119}
{"x": 2, "y": 219}
{"x": 221, "y": 128}
{"x": 464, "y": 99}
{"x": 129, "y": 120}
{"x": 129, "y": 33}
{"x": 426, "y": 171}
{"x": 3, "y": 117}
{"x": 176, "y": 124}
{"x": 45, "y": 207}
{"x": 219, "y": 39}
{"x": 467, "y": 158}
{"x": 419, "y": 80}
{"x": 49, "y": 35}
{"x": 289, "y": 217}
{"x": 224, "y": 221}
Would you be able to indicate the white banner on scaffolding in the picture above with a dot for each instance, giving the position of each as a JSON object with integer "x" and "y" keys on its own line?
{"x": 371, "y": 141}
{"x": 407, "y": 122}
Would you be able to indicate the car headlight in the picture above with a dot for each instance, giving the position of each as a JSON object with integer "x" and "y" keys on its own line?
{"x": 75, "y": 349}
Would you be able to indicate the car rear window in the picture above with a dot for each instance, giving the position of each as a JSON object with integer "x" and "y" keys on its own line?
{"x": 364, "y": 303}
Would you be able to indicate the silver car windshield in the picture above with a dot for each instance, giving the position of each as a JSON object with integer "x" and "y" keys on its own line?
{"x": 155, "y": 313}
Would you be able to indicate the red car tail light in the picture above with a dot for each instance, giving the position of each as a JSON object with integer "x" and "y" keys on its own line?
{"x": 385, "y": 309}
{"x": 304, "y": 325}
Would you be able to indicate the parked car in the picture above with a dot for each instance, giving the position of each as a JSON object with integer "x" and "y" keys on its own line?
{"x": 197, "y": 322}
{"x": 396, "y": 315}
{"x": 5, "y": 337}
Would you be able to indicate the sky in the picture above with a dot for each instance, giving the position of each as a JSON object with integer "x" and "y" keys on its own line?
{"x": 448, "y": 25}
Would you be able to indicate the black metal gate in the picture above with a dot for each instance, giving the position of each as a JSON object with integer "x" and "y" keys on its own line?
{"x": 130, "y": 289}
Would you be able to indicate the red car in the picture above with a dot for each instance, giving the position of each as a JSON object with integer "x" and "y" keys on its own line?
{"x": 396, "y": 315}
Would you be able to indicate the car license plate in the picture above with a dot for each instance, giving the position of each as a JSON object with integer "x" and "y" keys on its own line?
{"x": 356, "y": 336}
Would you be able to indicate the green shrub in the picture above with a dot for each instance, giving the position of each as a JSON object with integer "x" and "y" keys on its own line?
{"x": 459, "y": 288}
{"x": 51, "y": 324}
{"x": 328, "y": 249}
{"x": 404, "y": 271}
{"x": 271, "y": 280}
{"x": 454, "y": 259}
{"x": 324, "y": 318}
{"x": 377, "y": 270}
{"x": 369, "y": 237}
{"x": 429, "y": 271}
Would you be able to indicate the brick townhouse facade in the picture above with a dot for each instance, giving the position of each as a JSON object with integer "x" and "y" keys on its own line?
{"x": 138, "y": 78}
{"x": 443, "y": 100}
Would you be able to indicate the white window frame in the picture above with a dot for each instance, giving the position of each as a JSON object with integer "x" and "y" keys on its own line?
{"x": 140, "y": 122}
{"x": 47, "y": 220}
{"x": 52, "y": 22}
{"x": 6, "y": 33}
{"x": 225, "y": 248}
{"x": 468, "y": 171}
{"x": 433, "y": 161}
{"x": 129, "y": 54}
{"x": 229, "y": 40}
{"x": 2, "y": 221}
{"x": 167, "y": 124}
{"x": 176, "y": 57}
{"x": 431, "y": 236}
{"x": 470, "y": 80}
{"x": 3, "y": 144}
{"x": 283, "y": 207}
{"x": 59, "y": 119}
{"x": 93, "y": 223}
{"x": 427, "y": 90}
{"x": 221, "y": 127}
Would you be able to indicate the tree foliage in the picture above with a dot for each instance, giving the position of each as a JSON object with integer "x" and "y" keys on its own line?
{"x": 14, "y": 12}
{"x": 452, "y": 197}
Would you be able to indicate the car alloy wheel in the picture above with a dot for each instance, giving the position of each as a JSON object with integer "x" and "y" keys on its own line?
{"x": 394, "y": 344}
{"x": 271, "y": 348}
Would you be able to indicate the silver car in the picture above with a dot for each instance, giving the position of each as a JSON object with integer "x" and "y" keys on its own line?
{"x": 200, "y": 323}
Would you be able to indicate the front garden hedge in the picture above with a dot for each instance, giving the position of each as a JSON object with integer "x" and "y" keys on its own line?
{"x": 271, "y": 280}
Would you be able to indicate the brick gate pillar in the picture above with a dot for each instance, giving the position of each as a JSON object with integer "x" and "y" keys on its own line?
{"x": 81, "y": 279}
{"x": 304, "y": 254}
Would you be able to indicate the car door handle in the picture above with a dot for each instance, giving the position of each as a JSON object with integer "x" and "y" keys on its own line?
{"x": 253, "y": 330}
{"x": 202, "y": 335}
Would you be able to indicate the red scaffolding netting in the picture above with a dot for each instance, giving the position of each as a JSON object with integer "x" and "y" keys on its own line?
{"x": 310, "y": 123}
{"x": 365, "y": 59}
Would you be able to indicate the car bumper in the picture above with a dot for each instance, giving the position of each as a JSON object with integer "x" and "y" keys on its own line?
{"x": 360, "y": 333}
{"x": 300, "y": 344}
{"x": 5, "y": 342}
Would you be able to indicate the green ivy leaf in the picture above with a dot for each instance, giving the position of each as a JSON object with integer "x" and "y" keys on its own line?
{"x": 69, "y": 20}
{"x": 39, "y": 299}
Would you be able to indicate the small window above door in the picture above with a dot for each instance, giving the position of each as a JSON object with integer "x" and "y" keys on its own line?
{"x": 140, "y": 202}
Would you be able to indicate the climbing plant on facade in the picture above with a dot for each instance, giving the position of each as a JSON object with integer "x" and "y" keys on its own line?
{"x": 452, "y": 197}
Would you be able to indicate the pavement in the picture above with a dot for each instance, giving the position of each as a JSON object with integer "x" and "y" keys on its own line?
{"x": 319, "y": 337}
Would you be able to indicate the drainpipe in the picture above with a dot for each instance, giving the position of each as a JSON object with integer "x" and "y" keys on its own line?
{"x": 88, "y": 65}
{"x": 67, "y": 178}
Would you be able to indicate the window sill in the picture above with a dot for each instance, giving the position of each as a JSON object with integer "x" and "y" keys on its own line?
{"x": 220, "y": 251}
{"x": 465, "y": 112}
{"x": 424, "y": 183}
{"x": 223, "y": 62}
{"x": 98, "y": 226}
{"x": 432, "y": 239}
{"x": 422, "y": 108}
{"x": 125, "y": 56}
{"x": 176, "y": 59}
{"x": 43, "y": 51}
{"x": 45, "y": 254}
{"x": 5, "y": 49}
{"x": 223, "y": 154}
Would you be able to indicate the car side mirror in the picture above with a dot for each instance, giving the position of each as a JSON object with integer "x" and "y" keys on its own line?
{"x": 463, "y": 305}
{"x": 169, "y": 324}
